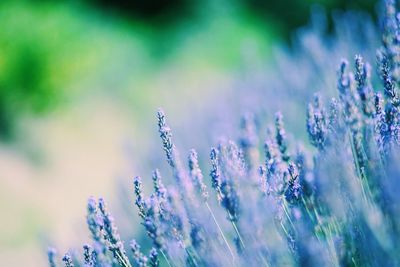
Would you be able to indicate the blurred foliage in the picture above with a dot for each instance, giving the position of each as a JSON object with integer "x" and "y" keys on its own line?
{"x": 288, "y": 14}
{"x": 294, "y": 13}
{"x": 149, "y": 10}
{"x": 50, "y": 49}
{"x": 24, "y": 65}
{"x": 52, "y": 53}
{"x": 44, "y": 50}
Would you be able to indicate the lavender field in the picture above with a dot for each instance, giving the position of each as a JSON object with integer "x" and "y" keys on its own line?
{"x": 292, "y": 161}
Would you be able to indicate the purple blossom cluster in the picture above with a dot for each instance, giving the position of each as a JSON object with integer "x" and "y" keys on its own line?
{"x": 331, "y": 203}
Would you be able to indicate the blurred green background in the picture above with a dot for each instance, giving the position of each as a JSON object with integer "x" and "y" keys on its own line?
{"x": 80, "y": 77}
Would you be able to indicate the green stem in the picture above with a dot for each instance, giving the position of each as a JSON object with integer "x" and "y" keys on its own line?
{"x": 220, "y": 230}
{"x": 236, "y": 230}
{"x": 192, "y": 260}
{"x": 165, "y": 257}
{"x": 287, "y": 215}
{"x": 123, "y": 262}
{"x": 355, "y": 157}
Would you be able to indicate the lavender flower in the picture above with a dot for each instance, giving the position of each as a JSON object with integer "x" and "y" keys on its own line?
{"x": 166, "y": 137}
{"x": 364, "y": 89}
{"x": 249, "y": 141}
{"x": 172, "y": 155}
{"x": 317, "y": 123}
{"x": 111, "y": 236}
{"x": 177, "y": 216}
{"x": 274, "y": 165}
{"x": 378, "y": 103}
{"x": 153, "y": 258}
{"x": 230, "y": 200}
{"x": 293, "y": 190}
{"x": 392, "y": 121}
{"x": 196, "y": 175}
{"x": 215, "y": 172}
{"x": 344, "y": 79}
{"x": 382, "y": 130}
{"x": 390, "y": 38}
{"x": 338, "y": 210}
{"x": 89, "y": 256}
{"x": 137, "y": 182}
{"x": 94, "y": 220}
{"x": 51, "y": 253}
{"x": 334, "y": 116}
{"x": 196, "y": 234}
{"x": 95, "y": 223}
{"x": 389, "y": 85}
{"x": 349, "y": 98}
{"x": 140, "y": 259}
{"x": 231, "y": 165}
{"x": 152, "y": 221}
{"x": 159, "y": 188}
{"x": 271, "y": 149}
{"x": 67, "y": 259}
{"x": 281, "y": 139}
{"x": 263, "y": 180}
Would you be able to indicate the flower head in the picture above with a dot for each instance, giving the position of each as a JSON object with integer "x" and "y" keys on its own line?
{"x": 137, "y": 182}
{"x": 153, "y": 258}
{"x": 51, "y": 253}
{"x": 89, "y": 256}
{"x": 67, "y": 259}
{"x": 196, "y": 174}
{"x": 293, "y": 190}
{"x": 140, "y": 259}
{"x": 316, "y": 123}
{"x": 281, "y": 139}
{"x": 111, "y": 235}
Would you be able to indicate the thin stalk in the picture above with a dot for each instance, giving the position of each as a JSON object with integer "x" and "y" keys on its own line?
{"x": 284, "y": 229}
{"x": 307, "y": 209}
{"x": 365, "y": 181}
{"x": 220, "y": 230}
{"x": 165, "y": 257}
{"x": 354, "y": 261}
{"x": 190, "y": 257}
{"x": 355, "y": 157}
{"x": 287, "y": 215}
{"x": 331, "y": 244}
{"x": 122, "y": 261}
{"x": 263, "y": 259}
{"x": 237, "y": 231}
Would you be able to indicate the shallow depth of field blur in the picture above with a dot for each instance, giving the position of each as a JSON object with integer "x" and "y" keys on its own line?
{"x": 80, "y": 82}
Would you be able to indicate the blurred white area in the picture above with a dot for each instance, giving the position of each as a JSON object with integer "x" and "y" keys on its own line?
{"x": 79, "y": 155}
{"x": 64, "y": 158}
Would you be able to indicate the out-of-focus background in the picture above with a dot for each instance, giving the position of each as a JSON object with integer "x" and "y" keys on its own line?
{"x": 80, "y": 81}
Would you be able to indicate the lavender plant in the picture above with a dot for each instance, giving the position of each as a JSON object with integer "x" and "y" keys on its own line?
{"x": 335, "y": 205}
